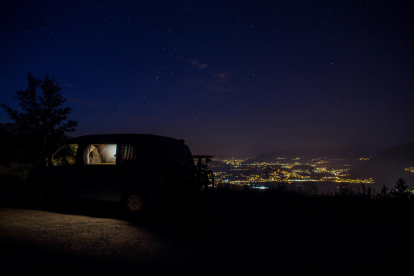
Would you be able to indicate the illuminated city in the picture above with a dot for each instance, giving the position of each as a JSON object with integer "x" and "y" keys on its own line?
{"x": 294, "y": 171}
{"x": 411, "y": 169}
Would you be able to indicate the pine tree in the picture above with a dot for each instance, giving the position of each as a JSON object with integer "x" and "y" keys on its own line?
{"x": 400, "y": 189}
{"x": 42, "y": 123}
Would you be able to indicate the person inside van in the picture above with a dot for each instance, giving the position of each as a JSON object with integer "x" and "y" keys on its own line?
{"x": 92, "y": 155}
{"x": 107, "y": 153}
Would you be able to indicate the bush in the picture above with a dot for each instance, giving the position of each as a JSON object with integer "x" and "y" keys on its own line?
{"x": 14, "y": 179}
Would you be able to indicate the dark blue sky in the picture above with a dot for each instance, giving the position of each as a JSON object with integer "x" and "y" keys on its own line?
{"x": 230, "y": 77}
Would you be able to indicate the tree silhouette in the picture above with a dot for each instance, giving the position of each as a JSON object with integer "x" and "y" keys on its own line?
{"x": 7, "y": 153}
{"x": 384, "y": 192}
{"x": 400, "y": 189}
{"x": 42, "y": 122}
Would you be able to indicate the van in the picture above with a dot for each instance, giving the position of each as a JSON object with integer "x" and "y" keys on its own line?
{"x": 137, "y": 170}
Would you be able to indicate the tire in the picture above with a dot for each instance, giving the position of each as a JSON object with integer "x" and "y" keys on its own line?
{"x": 135, "y": 203}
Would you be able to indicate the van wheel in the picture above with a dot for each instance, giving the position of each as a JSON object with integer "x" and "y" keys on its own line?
{"x": 135, "y": 203}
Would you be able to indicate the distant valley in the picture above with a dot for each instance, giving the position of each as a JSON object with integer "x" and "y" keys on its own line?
{"x": 368, "y": 165}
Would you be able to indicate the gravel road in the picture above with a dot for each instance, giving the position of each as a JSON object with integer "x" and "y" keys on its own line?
{"x": 94, "y": 238}
{"x": 53, "y": 240}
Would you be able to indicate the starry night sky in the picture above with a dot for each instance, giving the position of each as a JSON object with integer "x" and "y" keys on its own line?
{"x": 231, "y": 78}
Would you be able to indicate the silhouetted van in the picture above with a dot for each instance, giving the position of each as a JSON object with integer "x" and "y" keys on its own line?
{"x": 138, "y": 170}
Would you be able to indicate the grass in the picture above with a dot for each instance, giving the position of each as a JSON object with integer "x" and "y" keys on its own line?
{"x": 284, "y": 204}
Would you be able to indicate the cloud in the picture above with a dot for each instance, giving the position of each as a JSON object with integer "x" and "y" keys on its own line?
{"x": 194, "y": 63}
{"x": 220, "y": 82}
{"x": 223, "y": 75}
{"x": 216, "y": 82}
{"x": 202, "y": 66}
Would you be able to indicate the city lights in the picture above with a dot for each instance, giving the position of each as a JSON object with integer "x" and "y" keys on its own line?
{"x": 265, "y": 174}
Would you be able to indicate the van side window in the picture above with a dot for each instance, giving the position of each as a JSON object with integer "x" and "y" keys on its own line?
{"x": 128, "y": 152}
{"x": 100, "y": 154}
{"x": 137, "y": 153}
{"x": 66, "y": 155}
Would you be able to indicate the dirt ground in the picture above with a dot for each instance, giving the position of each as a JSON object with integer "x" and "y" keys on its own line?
{"x": 236, "y": 237}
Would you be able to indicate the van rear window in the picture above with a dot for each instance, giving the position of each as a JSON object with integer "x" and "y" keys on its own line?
{"x": 100, "y": 154}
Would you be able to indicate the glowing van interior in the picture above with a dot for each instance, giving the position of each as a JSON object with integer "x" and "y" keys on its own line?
{"x": 100, "y": 154}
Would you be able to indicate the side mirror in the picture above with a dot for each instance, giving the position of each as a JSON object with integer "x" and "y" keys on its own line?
{"x": 46, "y": 162}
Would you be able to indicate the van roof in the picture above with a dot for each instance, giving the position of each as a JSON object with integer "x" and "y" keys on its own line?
{"x": 121, "y": 138}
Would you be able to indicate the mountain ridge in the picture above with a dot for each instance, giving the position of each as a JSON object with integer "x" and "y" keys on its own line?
{"x": 330, "y": 153}
{"x": 388, "y": 166}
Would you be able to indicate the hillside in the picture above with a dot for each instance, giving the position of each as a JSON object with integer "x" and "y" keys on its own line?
{"x": 329, "y": 153}
{"x": 388, "y": 166}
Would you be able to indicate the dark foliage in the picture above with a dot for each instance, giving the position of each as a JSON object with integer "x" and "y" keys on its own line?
{"x": 400, "y": 189}
{"x": 384, "y": 192}
{"x": 7, "y": 152}
{"x": 42, "y": 123}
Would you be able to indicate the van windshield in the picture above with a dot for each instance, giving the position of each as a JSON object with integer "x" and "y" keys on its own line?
{"x": 66, "y": 155}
